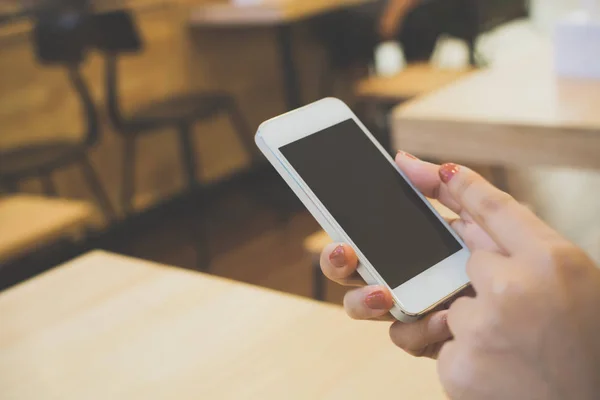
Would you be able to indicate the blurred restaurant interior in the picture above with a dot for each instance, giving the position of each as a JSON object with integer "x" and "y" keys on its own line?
{"x": 128, "y": 126}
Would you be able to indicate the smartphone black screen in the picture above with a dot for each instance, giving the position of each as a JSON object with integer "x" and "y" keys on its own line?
{"x": 371, "y": 201}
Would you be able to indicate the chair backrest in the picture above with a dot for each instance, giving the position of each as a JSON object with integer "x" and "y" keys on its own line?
{"x": 114, "y": 33}
{"x": 60, "y": 39}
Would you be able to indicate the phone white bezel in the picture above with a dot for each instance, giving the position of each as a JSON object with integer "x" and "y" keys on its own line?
{"x": 413, "y": 298}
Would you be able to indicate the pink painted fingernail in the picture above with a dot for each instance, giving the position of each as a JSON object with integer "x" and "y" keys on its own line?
{"x": 447, "y": 171}
{"x": 405, "y": 154}
{"x": 376, "y": 301}
{"x": 338, "y": 256}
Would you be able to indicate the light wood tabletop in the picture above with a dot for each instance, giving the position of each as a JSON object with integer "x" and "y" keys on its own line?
{"x": 263, "y": 12}
{"x": 518, "y": 113}
{"x": 105, "y": 326}
{"x": 27, "y": 222}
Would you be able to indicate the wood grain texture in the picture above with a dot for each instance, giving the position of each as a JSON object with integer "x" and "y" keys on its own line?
{"x": 105, "y": 326}
{"x": 263, "y": 12}
{"x": 518, "y": 113}
{"x": 27, "y": 222}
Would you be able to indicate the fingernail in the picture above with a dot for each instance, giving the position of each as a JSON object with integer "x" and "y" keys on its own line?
{"x": 405, "y": 154}
{"x": 376, "y": 301}
{"x": 338, "y": 256}
{"x": 447, "y": 171}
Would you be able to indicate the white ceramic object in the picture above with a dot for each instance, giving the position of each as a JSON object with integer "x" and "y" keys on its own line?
{"x": 450, "y": 53}
{"x": 389, "y": 59}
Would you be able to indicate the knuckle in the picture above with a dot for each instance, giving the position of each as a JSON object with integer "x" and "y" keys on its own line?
{"x": 350, "y": 305}
{"x": 493, "y": 202}
{"x": 465, "y": 185}
{"x": 506, "y": 288}
{"x": 396, "y": 335}
{"x": 476, "y": 260}
{"x": 566, "y": 259}
{"x": 405, "y": 341}
{"x": 456, "y": 371}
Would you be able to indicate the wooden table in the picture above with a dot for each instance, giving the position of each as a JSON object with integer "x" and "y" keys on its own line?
{"x": 280, "y": 14}
{"x": 27, "y": 222}
{"x": 105, "y": 326}
{"x": 517, "y": 113}
{"x": 264, "y": 12}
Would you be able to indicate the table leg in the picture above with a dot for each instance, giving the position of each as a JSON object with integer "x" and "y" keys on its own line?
{"x": 290, "y": 75}
{"x": 319, "y": 282}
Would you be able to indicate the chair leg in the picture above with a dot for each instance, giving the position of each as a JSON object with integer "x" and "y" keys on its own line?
{"x": 48, "y": 185}
{"x": 128, "y": 174}
{"x": 199, "y": 230}
{"x": 197, "y": 198}
{"x": 188, "y": 155}
{"x": 243, "y": 131}
{"x": 318, "y": 282}
{"x": 98, "y": 190}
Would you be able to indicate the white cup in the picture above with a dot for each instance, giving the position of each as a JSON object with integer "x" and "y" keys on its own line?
{"x": 389, "y": 59}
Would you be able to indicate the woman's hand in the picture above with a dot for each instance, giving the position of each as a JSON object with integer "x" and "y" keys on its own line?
{"x": 531, "y": 332}
{"x": 339, "y": 262}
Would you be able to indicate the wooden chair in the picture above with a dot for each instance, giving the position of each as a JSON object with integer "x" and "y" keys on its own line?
{"x": 30, "y": 222}
{"x": 58, "y": 42}
{"x": 115, "y": 34}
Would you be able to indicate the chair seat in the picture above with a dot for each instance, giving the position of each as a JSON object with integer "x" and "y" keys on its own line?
{"x": 30, "y": 159}
{"x": 177, "y": 110}
{"x": 413, "y": 81}
{"x": 31, "y": 221}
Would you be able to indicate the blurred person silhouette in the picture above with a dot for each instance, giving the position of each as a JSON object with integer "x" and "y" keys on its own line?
{"x": 352, "y": 35}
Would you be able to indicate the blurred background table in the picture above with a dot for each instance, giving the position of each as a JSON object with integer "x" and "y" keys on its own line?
{"x": 106, "y": 326}
{"x": 515, "y": 114}
{"x": 264, "y": 12}
{"x": 519, "y": 115}
{"x": 278, "y": 13}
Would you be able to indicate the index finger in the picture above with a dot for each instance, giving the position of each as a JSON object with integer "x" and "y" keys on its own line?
{"x": 425, "y": 177}
{"x": 512, "y": 226}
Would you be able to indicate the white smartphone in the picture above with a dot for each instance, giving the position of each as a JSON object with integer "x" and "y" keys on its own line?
{"x": 357, "y": 193}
